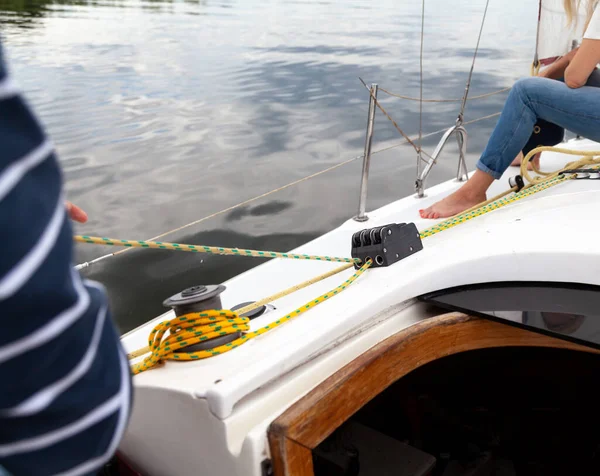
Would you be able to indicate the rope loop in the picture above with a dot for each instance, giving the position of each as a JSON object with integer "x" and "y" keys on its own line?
{"x": 190, "y": 329}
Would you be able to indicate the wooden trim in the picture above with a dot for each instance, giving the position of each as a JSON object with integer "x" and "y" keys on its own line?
{"x": 313, "y": 418}
{"x": 289, "y": 458}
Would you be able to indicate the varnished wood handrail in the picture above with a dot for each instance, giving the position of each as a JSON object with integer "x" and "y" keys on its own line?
{"x": 304, "y": 425}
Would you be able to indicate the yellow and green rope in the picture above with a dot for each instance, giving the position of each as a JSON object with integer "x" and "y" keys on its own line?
{"x": 216, "y": 250}
{"x": 193, "y": 328}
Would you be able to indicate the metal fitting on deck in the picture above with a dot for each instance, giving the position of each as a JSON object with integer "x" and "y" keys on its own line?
{"x": 385, "y": 245}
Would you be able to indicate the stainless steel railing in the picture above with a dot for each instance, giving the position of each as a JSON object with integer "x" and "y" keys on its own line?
{"x": 364, "y": 181}
{"x": 461, "y": 137}
{"x": 457, "y": 130}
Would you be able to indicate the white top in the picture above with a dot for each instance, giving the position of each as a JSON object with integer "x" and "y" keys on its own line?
{"x": 593, "y": 30}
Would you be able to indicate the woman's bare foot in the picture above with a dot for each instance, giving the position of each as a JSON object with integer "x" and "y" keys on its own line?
{"x": 467, "y": 196}
{"x": 519, "y": 159}
{"x": 458, "y": 202}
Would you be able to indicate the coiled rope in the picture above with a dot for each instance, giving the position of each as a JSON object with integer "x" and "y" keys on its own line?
{"x": 589, "y": 159}
{"x": 268, "y": 299}
{"x": 193, "y": 328}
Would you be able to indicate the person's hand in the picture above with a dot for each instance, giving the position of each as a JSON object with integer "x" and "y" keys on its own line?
{"x": 76, "y": 213}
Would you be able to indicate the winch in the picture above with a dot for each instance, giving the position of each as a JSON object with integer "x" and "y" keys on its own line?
{"x": 197, "y": 299}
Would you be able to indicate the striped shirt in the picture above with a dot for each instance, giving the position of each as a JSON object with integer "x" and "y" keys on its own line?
{"x": 65, "y": 382}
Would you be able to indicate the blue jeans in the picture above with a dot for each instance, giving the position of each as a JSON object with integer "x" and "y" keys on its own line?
{"x": 530, "y": 99}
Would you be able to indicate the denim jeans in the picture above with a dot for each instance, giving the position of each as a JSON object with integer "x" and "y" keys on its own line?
{"x": 530, "y": 99}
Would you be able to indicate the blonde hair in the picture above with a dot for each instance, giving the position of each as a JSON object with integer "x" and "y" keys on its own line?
{"x": 572, "y": 7}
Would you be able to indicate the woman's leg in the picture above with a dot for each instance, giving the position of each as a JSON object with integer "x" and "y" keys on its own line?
{"x": 577, "y": 110}
{"x": 593, "y": 80}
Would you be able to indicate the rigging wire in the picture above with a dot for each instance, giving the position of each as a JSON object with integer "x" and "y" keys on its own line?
{"x": 535, "y": 65}
{"x": 468, "y": 86}
{"x": 472, "y": 98}
{"x": 419, "y": 152}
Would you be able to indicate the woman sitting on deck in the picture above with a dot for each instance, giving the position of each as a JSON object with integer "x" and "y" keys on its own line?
{"x": 570, "y": 104}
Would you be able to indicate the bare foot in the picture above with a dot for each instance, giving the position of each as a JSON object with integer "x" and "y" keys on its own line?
{"x": 467, "y": 196}
{"x": 458, "y": 202}
{"x": 519, "y": 159}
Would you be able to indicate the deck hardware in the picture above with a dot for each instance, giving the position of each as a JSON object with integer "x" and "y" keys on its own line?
{"x": 589, "y": 173}
{"x": 197, "y": 299}
{"x": 516, "y": 181}
{"x": 462, "y": 173}
{"x": 386, "y": 244}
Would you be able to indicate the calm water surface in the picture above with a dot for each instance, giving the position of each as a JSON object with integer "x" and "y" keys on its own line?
{"x": 166, "y": 111}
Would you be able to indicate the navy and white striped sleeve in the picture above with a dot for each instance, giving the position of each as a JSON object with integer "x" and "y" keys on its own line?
{"x": 65, "y": 381}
